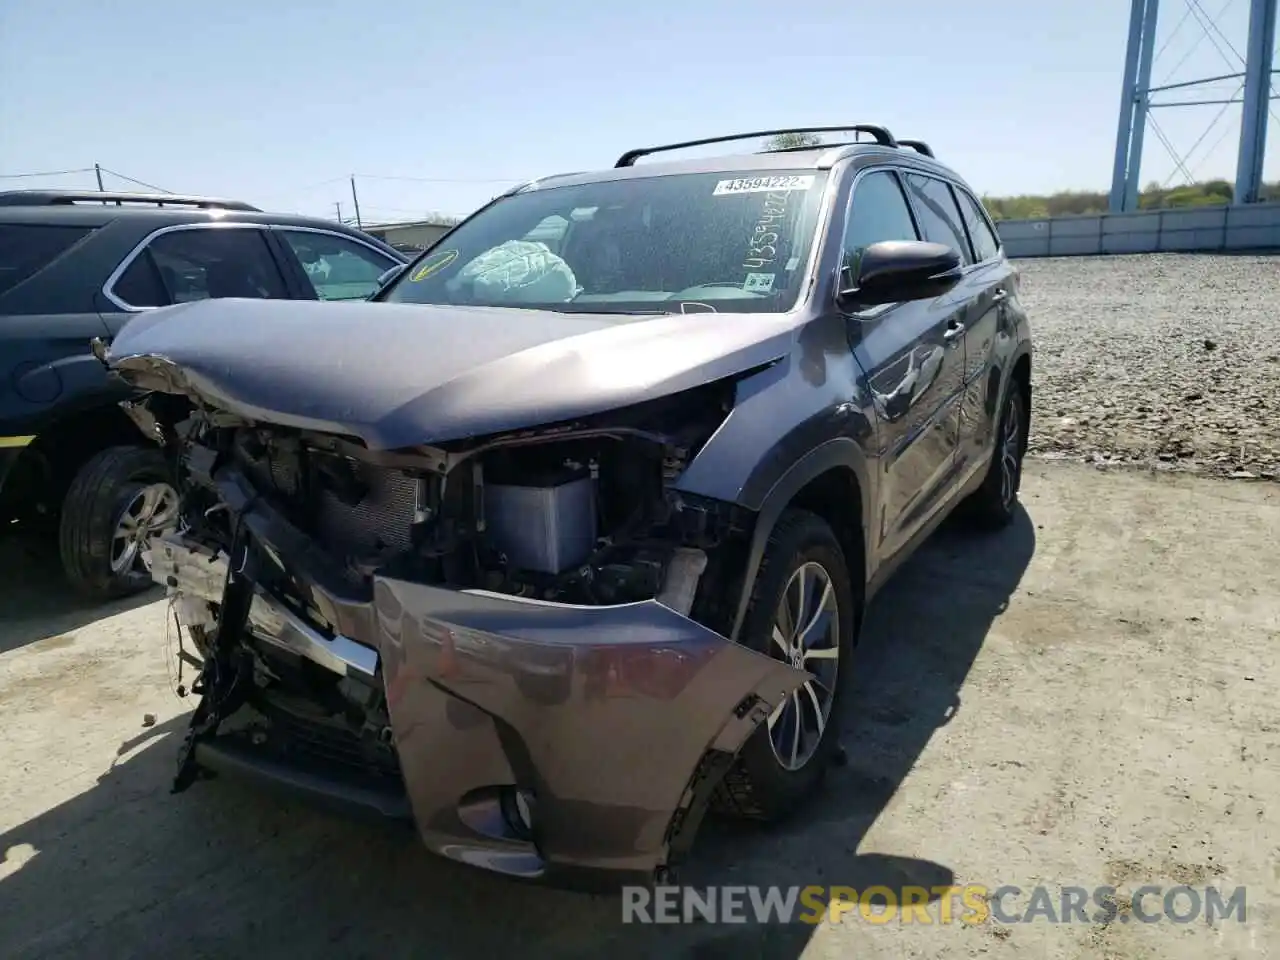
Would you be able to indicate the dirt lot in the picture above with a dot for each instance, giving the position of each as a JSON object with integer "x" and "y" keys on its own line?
{"x": 1170, "y": 360}
{"x": 1088, "y": 698}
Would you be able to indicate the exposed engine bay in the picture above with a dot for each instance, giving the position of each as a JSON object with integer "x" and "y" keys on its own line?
{"x": 578, "y": 515}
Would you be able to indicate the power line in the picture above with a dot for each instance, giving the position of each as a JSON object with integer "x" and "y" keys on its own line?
{"x": 44, "y": 173}
{"x": 373, "y": 176}
{"x": 141, "y": 183}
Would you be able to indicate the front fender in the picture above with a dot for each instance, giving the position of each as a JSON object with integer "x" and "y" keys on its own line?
{"x": 836, "y": 453}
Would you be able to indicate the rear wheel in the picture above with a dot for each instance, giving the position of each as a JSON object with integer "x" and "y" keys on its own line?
{"x": 119, "y": 500}
{"x": 995, "y": 503}
{"x": 802, "y": 612}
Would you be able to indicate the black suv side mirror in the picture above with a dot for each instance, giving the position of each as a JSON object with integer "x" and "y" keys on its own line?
{"x": 896, "y": 270}
{"x": 391, "y": 274}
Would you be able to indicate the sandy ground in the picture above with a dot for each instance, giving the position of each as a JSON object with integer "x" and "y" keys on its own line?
{"x": 1087, "y": 698}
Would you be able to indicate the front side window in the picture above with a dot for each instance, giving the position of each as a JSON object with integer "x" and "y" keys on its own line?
{"x": 878, "y": 211}
{"x": 338, "y": 267}
{"x": 27, "y": 248}
{"x": 199, "y": 264}
{"x": 719, "y": 242}
{"x": 940, "y": 218}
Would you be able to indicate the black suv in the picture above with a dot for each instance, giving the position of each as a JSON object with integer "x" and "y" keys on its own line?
{"x": 579, "y": 532}
{"x": 74, "y": 266}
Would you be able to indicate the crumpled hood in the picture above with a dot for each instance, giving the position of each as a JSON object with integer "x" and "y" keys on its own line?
{"x": 397, "y": 375}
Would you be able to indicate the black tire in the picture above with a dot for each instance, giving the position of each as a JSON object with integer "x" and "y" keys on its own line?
{"x": 759, "y": 786}
{"x": 102, "y": 489}
{"x": 993, "y": 505}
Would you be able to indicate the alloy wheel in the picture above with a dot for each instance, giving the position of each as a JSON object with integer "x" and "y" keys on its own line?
{"x": 806, "y": 634}
{"x": 151, "y": 511}
{"x": 1010, "y": 450}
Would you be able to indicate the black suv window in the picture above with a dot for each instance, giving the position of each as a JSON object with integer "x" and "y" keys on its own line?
{"x": 201, "y": 263}
{"x": 338, "y": 267}
{"x": 27, "y": 248}
{"x": 940, "y": 218}
{"x": 985, "y": 242}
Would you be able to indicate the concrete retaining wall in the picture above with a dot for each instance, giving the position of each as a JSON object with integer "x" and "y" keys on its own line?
{"x": 1252, "y": 227}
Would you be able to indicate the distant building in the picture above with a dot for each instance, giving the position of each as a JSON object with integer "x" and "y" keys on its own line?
{"x": 415, "y": 234}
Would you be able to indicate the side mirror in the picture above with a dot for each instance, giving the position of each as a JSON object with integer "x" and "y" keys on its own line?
{"x": 897, "y": 270}
{"x": 391, "y": 274}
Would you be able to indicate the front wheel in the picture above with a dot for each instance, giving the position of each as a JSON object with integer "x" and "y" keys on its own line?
{"x": 118, "y": 501}
{"x": 802, "y": 612}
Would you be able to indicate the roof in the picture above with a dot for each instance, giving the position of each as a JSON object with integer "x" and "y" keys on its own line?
{"x": 97, "y": 215}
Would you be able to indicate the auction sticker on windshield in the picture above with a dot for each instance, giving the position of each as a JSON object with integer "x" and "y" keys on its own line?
{"x": 762, "y": 185}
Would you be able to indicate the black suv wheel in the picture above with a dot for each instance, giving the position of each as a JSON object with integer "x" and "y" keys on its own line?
{"x": 802, "y": 612}
{"x": 996, "y": 502}
{"x": 118, "y": 501}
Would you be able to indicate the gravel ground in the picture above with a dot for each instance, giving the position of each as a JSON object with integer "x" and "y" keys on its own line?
{"x": 1171, "y": 360}
{"x": 1085, "y": 698}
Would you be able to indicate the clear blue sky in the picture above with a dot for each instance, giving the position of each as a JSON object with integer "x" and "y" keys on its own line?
{"x": 267, "y": 100}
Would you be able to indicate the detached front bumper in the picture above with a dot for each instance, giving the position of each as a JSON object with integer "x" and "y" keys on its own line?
{"x": 573, "y": 745}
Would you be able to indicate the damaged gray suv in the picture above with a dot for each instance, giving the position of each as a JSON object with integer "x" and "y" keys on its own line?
{"x": 567, "y": 536}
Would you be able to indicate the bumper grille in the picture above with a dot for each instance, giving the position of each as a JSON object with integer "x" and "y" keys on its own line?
{"x": 330, "y": 746}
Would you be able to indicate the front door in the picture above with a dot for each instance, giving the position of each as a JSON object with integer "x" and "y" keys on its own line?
{"x": 912, "y": 356}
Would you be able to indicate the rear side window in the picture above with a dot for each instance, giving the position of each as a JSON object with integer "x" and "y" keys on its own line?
{"x": 940, "y": 218}
{"x": 199, "y": 264}
{"x": 985, "y": 243}
{"x": 27, "y": 248}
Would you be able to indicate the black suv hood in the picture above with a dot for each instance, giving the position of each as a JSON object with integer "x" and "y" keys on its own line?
{"x": 397, "y": 375}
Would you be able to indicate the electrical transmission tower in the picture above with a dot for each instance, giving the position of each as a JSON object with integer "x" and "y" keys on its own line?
{"x": 1253, "y": 91}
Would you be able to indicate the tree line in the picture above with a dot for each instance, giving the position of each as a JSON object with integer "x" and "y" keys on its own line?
{"x": 1207, "y": 193}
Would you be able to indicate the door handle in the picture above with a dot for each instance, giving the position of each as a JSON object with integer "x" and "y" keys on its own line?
{"x": 952, "y": 332}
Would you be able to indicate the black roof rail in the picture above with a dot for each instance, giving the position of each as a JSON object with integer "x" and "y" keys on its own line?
{"x": 53, "y": 198}
{"x": 919, "y": 146}
{"x": 881, "y": 135}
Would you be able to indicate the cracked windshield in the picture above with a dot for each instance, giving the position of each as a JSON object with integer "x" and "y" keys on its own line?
{"x": 691, "y": 243}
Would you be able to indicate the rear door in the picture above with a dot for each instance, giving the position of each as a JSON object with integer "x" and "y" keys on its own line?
{"x": 989, "y": 327}
{"x": 914, "y": 364}
{"x": 179, "y": 264}
{"x": 47, "y": 319}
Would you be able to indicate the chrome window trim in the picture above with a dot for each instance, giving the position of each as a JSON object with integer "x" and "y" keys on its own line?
{"x": 108, "y": 288}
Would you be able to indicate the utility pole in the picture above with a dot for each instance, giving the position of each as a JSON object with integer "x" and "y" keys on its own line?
{"x": 337, "y": 208}
{"x": 97, "y": 172}
{"x": 356, "y": 201}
